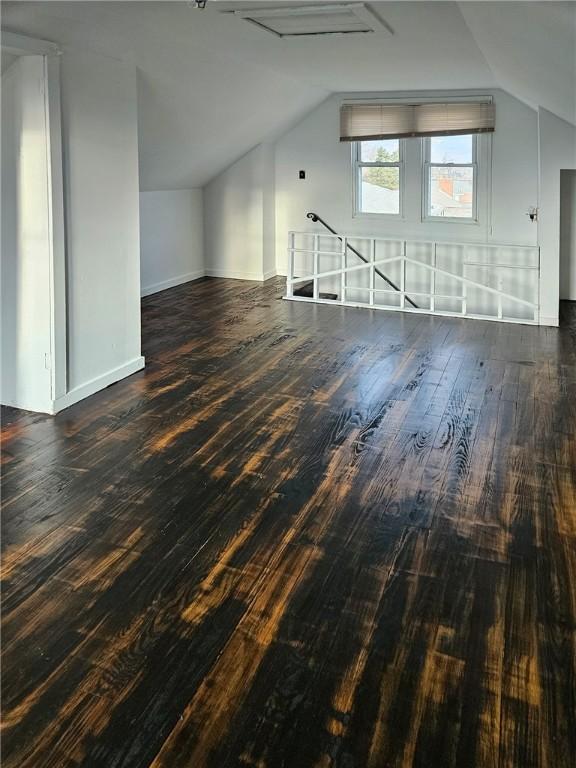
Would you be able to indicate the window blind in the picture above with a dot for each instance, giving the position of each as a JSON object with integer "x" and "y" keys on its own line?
{"x": 362, "y": 122}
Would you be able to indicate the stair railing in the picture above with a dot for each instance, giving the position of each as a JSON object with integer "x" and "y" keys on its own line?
{"x": 315, "y": 218}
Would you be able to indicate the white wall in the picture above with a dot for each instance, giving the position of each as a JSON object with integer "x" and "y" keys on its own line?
{"x": 239, "y": 220}
{"x": 171, "y": 238}
{"x": 557, "y": 151}
{"x": 568, "y": 235}
{"x": 100, "y": 140}
{"x": 313, "y": 145}
{"x": 25, "y": 312}
{"x": 6, "y": 60}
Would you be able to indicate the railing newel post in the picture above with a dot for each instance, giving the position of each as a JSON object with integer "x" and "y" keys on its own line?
{"x": 315, "y": 269}
{"x": 403, "y": 277}
{"x": 290, "y": 276}
{"x": 464, "y": 285}
{"x": 343, "y": 272}
{"x": 372, "y": 270}
{"x": 433, "y": 279}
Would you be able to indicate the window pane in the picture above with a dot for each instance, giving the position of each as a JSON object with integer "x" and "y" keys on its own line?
{"x": 451, "y": 149}
{"x": 387, "y": 151}
{"x": 380, "y": 190}
{"x": 451, "y": 192}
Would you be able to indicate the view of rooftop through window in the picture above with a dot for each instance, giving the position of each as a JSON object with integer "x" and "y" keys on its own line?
{"x": 449, "y": 177}
{"x": 380, "y": 184}
{"x": 451, "y": 182}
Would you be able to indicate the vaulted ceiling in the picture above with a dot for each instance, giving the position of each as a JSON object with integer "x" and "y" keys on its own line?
{"x": 211, "y": 85}
{"x": 530, "y": 49}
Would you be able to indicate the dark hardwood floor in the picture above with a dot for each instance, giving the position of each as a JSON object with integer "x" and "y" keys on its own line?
{"x": 303, "y": 536}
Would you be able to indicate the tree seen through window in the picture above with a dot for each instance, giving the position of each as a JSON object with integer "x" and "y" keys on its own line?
{"x": 384, "y": 176}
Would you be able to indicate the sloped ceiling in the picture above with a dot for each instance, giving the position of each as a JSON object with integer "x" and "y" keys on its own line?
{"x": 211, "y": 86}
{"x": 531, "y": 49}
{"x": 201, "y": 106}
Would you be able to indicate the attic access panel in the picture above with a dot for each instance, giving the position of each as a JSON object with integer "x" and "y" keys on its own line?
{"x": 312, "y": 20}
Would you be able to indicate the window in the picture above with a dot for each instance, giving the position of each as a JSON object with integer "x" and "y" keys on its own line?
{"x": 450, "y": 177}
{"x": 438, "y": 179}
{"x": 378, "y": 176}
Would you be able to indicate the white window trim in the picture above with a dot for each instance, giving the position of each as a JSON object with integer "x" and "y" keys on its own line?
{"x": 357, "y": 165}
{"x": 427, "y": 164}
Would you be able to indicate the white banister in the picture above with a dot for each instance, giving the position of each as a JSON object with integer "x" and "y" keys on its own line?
{"x": 418, "y": 291}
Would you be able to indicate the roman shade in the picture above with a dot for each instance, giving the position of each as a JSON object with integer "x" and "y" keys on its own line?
{"x": 361, "y": 122}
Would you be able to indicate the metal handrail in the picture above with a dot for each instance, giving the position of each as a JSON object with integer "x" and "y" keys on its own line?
{"x": 315, "y": 218}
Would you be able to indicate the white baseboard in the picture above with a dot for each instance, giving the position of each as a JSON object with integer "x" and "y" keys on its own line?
{"x": 95, "y": 385}
{"x": 26, "y": 405}
{"x": 172, "y": 282}
{"x": 232, "y": 274}
{"x": 552, "y": 321}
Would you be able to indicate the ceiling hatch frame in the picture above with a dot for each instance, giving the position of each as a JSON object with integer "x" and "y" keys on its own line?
{"x": 365, "y": 20}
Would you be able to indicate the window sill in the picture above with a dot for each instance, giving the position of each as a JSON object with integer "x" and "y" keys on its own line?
{"x": 390, "y": 216}
{"x": 446, "y": 220}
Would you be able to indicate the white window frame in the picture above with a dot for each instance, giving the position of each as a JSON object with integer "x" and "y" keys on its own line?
{"x": 358, "y": 164}
{"x": 427, "y": 165}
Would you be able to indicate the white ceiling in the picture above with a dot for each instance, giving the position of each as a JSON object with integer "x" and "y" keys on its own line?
{"x": 211, "y": 85}
{"x": 431, "y": 48}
